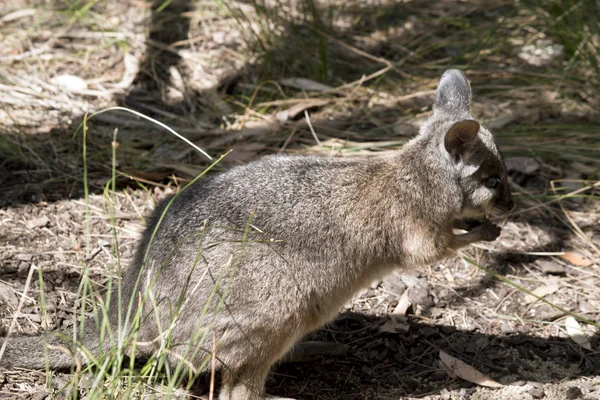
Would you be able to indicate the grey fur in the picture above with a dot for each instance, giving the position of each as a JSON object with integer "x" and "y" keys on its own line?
{"x": 454, "y": 93}
{"x": 287, "y": 241}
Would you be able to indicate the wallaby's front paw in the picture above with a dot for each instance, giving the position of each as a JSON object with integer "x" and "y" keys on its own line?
{"x": 488, "y": 231}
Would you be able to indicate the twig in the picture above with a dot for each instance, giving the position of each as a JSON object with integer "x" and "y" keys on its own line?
{"x": 311, "y": 128}
{"x": 18, "y": 310}
{"x": 213, "y": 363}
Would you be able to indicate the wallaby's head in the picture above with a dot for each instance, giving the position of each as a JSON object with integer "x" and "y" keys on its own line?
{"x": 468, "y": 148}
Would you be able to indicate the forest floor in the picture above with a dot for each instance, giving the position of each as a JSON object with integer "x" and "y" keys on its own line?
{"x": 258, "y": 80}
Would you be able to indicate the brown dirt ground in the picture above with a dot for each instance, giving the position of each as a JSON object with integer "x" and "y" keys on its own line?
{"x": 124, "y": 54}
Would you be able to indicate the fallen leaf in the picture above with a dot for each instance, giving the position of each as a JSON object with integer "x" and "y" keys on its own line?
{"x": 541, "y": 291}
{"x": 305, "y": 84}
{"x": 293, "y": 111}
{"x": 576, "y": 258}
{"x": 15, "y": 15}
{"x": 403, "y": 304}
{"x": 576, "y": 334}
{"x": 448, "y": 370}
{"x": 132, "y": 67}
{"x": 464, "y": 371}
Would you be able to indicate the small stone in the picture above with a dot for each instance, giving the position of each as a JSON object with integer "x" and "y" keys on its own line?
{"x": 23, "y": 269}
{"x": 24, "y": 257}
{"x": 536, "y": 393}
{"x": 393, "y": 284}
{"x": 574, "y": 393}
{"x": 551, "y": 267}
{"x": 505, "y": 327}
{"x": 419, "y": 295}
{"x": 37, "y": 222}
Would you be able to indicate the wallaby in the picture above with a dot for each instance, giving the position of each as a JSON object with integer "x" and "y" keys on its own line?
{"x": 252, "y": 259}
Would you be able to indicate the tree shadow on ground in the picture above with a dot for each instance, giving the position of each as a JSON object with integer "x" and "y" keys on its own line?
{"x": 391, "y": 365}
{"x": 385, "y": 30}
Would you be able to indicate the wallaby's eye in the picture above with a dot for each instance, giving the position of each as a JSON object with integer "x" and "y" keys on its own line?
{"x": 491, "y": 182}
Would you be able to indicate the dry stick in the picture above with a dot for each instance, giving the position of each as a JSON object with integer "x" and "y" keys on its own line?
{"x": 138, "y": 179}
{"x": 290, "y": 101}
{"x": 311, "y": 128}
{"x": 363, "y": 79}
{"x": 213, "y": 364}
{"x": 18, "y": 310}
{"x": 289, "y": 138}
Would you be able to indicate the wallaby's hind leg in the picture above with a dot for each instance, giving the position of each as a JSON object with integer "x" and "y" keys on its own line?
{"x": 245, "y": 384}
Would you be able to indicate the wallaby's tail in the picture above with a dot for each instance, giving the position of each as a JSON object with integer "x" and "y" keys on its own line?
{"x": 53, "y": 349}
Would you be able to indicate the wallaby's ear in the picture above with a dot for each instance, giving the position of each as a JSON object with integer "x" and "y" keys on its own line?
{"x": 453, "y": 93}
{"x": 461, "y": 136}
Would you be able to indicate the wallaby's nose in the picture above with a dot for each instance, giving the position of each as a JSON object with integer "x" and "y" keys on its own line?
{"x": 511, "y": 205}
